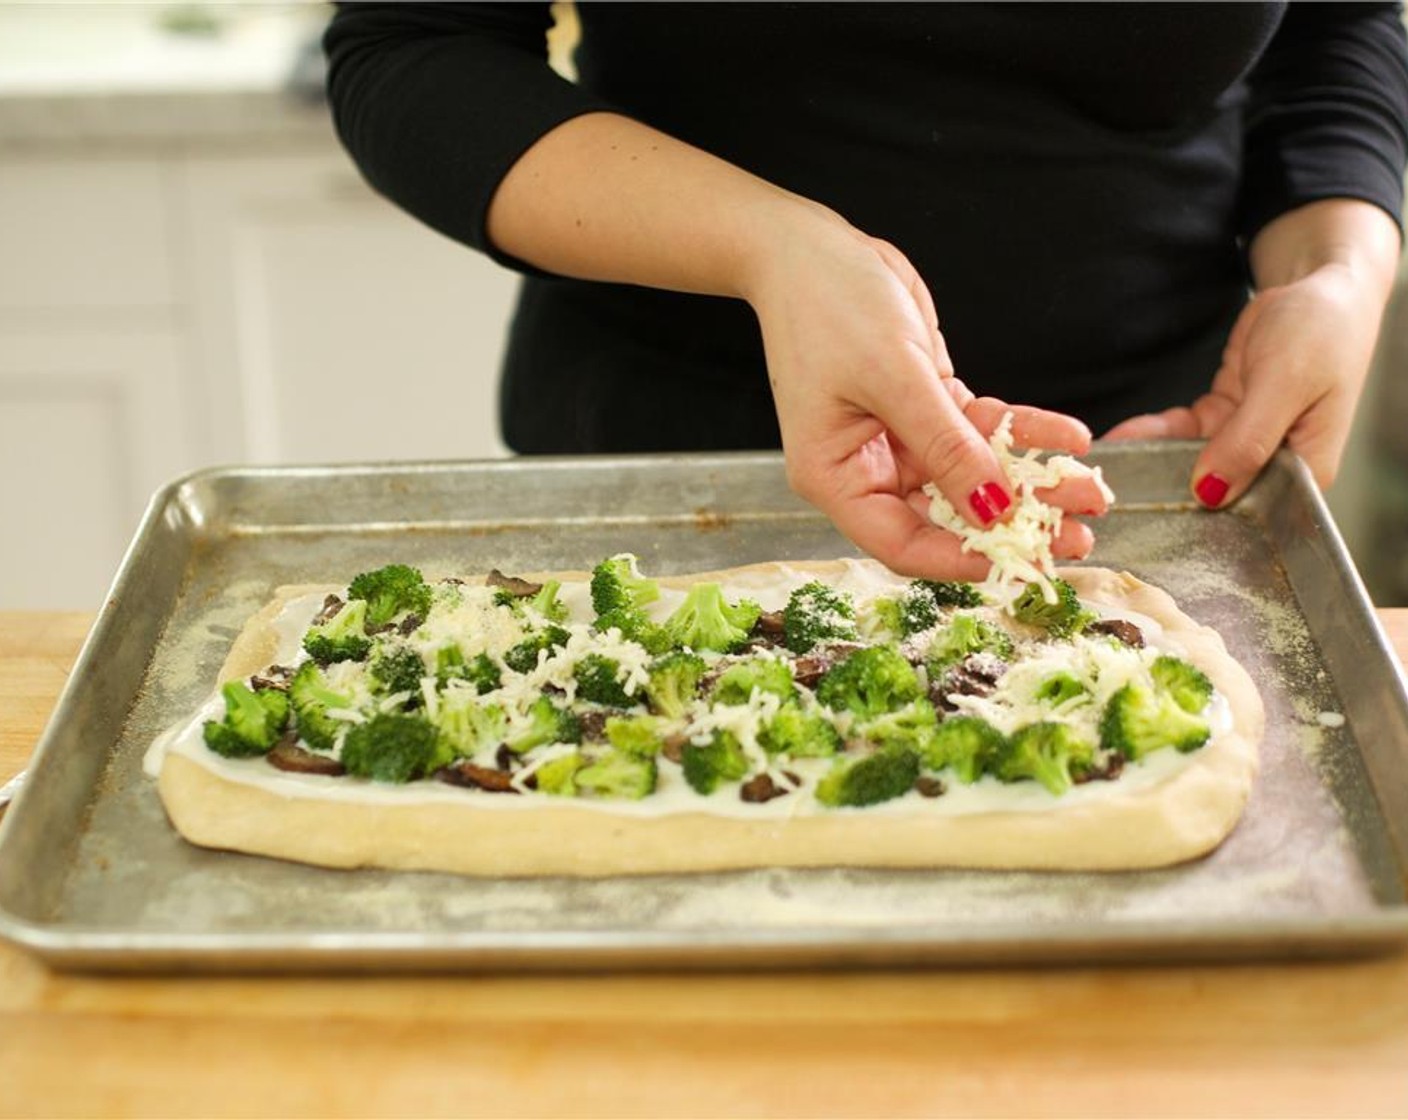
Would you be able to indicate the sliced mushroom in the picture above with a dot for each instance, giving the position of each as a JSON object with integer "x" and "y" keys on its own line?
{"x": 1120, "y": 629}
{"x": 518, "y": 588}
{"x": 331, "y": 605}
{"x": 808, "y": 669}
{"x": 275, "y": 677}
{"x": 465, "y": 773}
{"x": 761, "y": 788}
{"x": 288, "y": 755}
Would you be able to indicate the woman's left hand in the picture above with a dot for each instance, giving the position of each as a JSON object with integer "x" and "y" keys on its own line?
{"x": 1292, "y": 372}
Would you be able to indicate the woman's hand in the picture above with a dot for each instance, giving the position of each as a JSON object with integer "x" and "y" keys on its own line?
{"x": 870, "y": 409}
{"x": 862, "y": 381}
{"x": 1292, "y": 372}
{"x": 1295, "y": 362}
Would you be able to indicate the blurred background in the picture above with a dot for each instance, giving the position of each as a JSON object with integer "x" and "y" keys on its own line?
{"x": 192, "y": 273}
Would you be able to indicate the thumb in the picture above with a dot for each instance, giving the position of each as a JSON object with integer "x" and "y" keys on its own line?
{"x": 1243, "y": 444}
{"x": 951, "y": 453}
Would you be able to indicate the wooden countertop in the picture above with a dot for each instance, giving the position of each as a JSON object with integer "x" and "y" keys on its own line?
{"x": 1305, "y": 1039}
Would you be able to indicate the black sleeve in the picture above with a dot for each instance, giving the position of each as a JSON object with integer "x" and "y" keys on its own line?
{"x": 436, "y": 102}
{"x": 1328, "y": 112}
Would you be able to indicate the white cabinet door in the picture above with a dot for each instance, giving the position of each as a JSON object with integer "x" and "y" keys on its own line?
{"x": 330, "y": 326}
{"x": 84, "y": 235}
{"x": 92, "y": 425}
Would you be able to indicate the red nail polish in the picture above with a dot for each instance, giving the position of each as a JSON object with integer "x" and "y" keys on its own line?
{"x": 999, "y": 497}
{"x": 982, "y": 505}
{"x": 1211, "y": 489}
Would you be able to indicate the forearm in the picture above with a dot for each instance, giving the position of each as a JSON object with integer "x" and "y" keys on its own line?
{"x": 1354, "y": 237}
{"x": 604, "y": 197}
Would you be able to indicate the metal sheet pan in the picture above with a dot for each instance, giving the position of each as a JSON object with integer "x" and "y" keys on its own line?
{"x": 92, "y": 876}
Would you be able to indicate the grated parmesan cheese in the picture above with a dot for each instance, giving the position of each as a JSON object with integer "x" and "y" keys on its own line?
{"x": 1020, "y": 547}
{"x": 470, "y": 618}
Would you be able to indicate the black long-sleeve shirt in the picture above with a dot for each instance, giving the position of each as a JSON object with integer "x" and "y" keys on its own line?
{"x": 1075, "y": 183}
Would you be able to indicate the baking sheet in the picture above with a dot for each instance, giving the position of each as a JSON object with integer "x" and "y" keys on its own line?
{"x": 91, "y": 875}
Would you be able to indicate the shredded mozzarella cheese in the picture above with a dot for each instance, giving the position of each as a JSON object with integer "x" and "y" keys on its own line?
{"x": 1020, "y": 547}
{"x": 743, "y": 721}
{"x": 1103, "y": 667}
{"x": 556, "y": 667}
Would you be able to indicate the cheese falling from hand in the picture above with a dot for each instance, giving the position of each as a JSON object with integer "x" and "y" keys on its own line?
{"x": 1020, "y": 547}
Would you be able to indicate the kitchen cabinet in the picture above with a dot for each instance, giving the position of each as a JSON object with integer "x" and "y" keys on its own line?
{"x": 176, "y": 307}
{"x": 93, "y": 419}
{"x": 330, "y": 326}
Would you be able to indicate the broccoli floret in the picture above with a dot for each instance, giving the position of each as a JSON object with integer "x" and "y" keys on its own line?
{"x": 913, "y": 611}
{"x": 635, "y": 626}
{"x": 1060, "y": 619}
{"x": 343, "y": 637}
{"x": 953, "y": 593}
{"x": 557, "y": 776}
{"x": 599, "y": 680}
{"x": 619, "y": 595}
{"x": 869, "y": 779}
{"x": 967, "y": 745}
{"x": 912, "y": 727}
{"x": 888, "y": 615}
{"x": 390, "y": 747}
{"x": 1187, "y": 684}
{"x": 254, "y": 720}
{"x": 706, "y": 620}
{"x": 766, "y": 674}
{"x": 617, "y": 774}
{"x": 450, "y": 665}
{"x": 396, "y": 668}
{"x": 468, "y": 725}
{"x": 1138, "y": 720}
{"x": 617, "y": 584}
{"x": 1058, "y": 688}
{"x": 547, "y": 605}
{"x": 446, "y": 595}
{"x": 544, "y": 602}
{"x": 966, "y": 634}
{"x": 637, "y": 735}
{"x": 503, "y": 597}
{"x": 674, "y": 683}
{"x": 815, "y": 614}
{"x": 482, "y": 671}
{"x": 523, "y": 658}
{"x": 721, "y": 759}
{"x": 311, "y": 696}
{"x": 547, "y": 723}
{"x": 390, "y": 591}
{"x": 799, "y": 733}
{"x": 869, "y": 682}
{"x": 1047, "y": 752}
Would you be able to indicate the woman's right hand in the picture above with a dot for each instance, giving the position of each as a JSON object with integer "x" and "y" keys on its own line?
{"x": 870, "y": 409}
{"x": 864, "y": 389}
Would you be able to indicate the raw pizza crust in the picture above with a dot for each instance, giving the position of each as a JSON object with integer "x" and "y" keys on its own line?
{"x": 1178, "y": 819}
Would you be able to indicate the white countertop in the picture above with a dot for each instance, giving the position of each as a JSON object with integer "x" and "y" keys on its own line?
{"x": 159, "y": 73}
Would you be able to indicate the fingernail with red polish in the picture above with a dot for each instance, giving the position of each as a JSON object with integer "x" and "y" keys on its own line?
{"x": 1211, "y": 489}
{"x": 999, "y": 497}
{"x": 982, "y": 505}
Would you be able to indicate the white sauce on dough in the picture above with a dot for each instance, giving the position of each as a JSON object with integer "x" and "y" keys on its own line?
{"x": 673, "y": 794}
